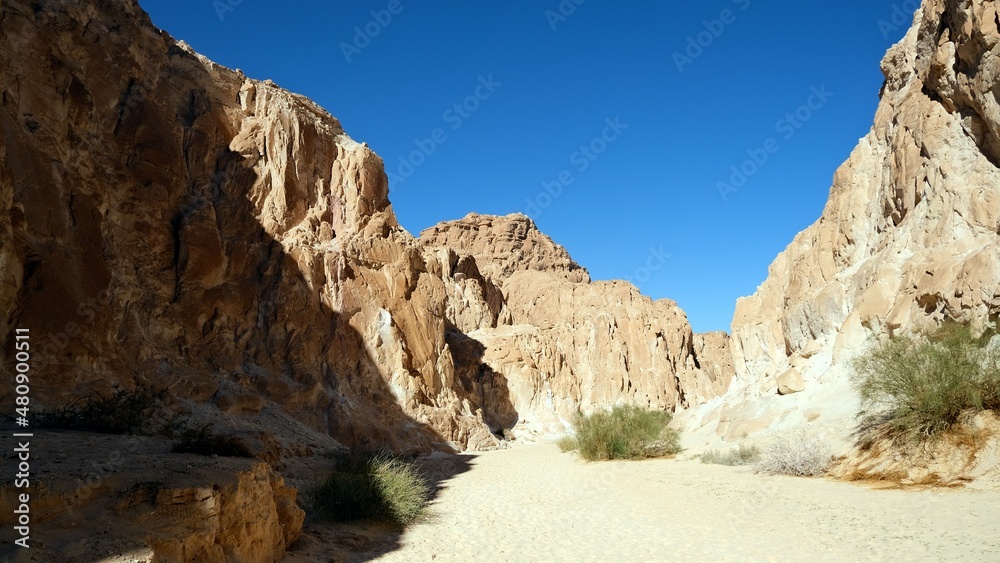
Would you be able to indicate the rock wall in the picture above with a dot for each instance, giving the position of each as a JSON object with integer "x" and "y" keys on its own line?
{"x": 908, "y": 237}
{"x": 505, "y": 245}
{"x": 172, "y": 223}
{"x": 562, "y": 344}
{"x": 102, "y": 497}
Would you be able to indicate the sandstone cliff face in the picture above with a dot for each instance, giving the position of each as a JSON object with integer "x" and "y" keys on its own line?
{"x": 908, "y": 237}
{"x": 99, "y": 495}
{"x": 505, "y": 245}
{"x": 173, "y": 223}
{"x": 562, "y": 344}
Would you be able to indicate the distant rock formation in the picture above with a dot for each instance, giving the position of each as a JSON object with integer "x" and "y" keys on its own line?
{"x": 172, "y": 223}
{"x": 505, "y": 245}
{"x": 908, "y": 237}
{"x": 562, "y": 344}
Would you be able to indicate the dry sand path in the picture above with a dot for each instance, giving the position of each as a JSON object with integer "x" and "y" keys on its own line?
{"x": 533, "y": 503}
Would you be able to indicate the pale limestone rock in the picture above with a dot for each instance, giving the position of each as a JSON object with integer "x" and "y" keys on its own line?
{"x": 715, "y": 360}
{"x": 790, "y": 382}
{"x": 909, "y": 235}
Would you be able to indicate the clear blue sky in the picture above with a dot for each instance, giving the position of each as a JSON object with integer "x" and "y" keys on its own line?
{"x": 644, "y": 195}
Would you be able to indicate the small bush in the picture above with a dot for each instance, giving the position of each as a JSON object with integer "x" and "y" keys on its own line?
{"x": 378, "y": 486}
{"x": 567, "y": 444}
{"x": 123, "y": 412}
{"x": 741, "y": 455}
{"x": 203, "y": 441}
{"x": 794, "y": 454}
{"x": 627, "y": 432}
{"x": 913, "y": 387}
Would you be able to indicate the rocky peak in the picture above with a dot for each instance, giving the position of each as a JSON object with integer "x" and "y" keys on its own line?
{"x": 503, "y": 245}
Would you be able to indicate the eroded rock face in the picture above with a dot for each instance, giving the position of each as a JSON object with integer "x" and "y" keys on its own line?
{"x": 171, "y": 222}
{"x": 563, "y": 344}
{"x": 503, "y": 246}
{"x": 909, "y": 235}
{"x": 95, "y": 496}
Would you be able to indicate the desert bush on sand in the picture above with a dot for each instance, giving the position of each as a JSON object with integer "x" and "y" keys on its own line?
{"x": 913, "y": 387}
{"x": 567, "y": 444}
{"x": 740, "y": 455}
{"x": 627, "y": 432}
{"x": 370, "y": 486}
{"x": 794, "y": 453}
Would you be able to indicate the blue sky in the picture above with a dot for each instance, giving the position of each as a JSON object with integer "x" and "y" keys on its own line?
{"x": 620, "y": 127}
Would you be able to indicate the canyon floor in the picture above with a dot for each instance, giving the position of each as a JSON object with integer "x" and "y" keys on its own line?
{"x": 534, "y": 503}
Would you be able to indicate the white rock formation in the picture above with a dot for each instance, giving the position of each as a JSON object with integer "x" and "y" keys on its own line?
{"x": 908, "y": 237}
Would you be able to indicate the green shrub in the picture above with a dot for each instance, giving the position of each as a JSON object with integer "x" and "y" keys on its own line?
{"x": 627, "y": 432}
{"x": 913, "y": 387}
{"x": 123, "y": 412}
{"x": 567, "y": 444}
{"x": 203, "y": 441}
{"x": 741, "y": 455}
{"x": 378, "y": 487}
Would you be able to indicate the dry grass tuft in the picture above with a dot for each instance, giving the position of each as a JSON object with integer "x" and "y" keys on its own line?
{"x": 795, "y": 454}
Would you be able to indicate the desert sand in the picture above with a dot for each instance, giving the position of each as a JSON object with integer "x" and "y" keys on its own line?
{"x": 534, "y": 503}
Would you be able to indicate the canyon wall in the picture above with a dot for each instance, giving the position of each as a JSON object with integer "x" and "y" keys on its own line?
{"x": 171, "y": 223}
{"x": 563, "y": 344}
{"x": 910, "y": 235}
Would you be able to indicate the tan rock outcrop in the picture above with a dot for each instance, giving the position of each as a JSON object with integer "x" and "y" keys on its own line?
{"x": 563, "y": 344}
{"x": 790, "y": 382}
{"x": 99, "y": 495}
{"x": 505, "y": 245}
{"x": 169, "y": 221}
{"x": 909, "y": 235}
{"x": 714, "y": 358}
{"x": 173, "y": 223}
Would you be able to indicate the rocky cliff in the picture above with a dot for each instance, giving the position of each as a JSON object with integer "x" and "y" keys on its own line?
{"x": 910, "y": 234}
{"x": 171, "y": 223}
{"x": 562, "y": 343}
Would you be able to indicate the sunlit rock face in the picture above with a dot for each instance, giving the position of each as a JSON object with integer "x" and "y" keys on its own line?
{"x": 562, "y": 344}
{"x": 908, "y": 237}
{"x": 173, "y": 223}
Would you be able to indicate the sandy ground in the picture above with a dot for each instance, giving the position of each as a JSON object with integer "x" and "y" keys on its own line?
{"x": 533, "y": 503}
